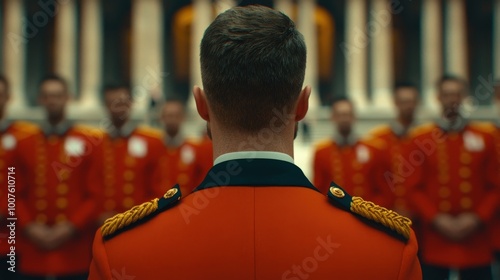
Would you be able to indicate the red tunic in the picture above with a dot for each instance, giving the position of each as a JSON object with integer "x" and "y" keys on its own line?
{"x": 359, "y": 168}
{"x": 454, "y": 173}
{"x": 59, "y": 185}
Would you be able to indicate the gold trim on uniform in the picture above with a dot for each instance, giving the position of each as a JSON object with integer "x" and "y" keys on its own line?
{"x": 128, "y": 175}
{"x": 465, "y": 172}
{"x": 171, "y": 192}
{"x": 129, "y": 161}
{"x": 62, "y": 188}
{"x": 443, "y": 178}
{"x": 109, "y": 204}
{"x": 41, "y": 218}
{"x": 128, "y": 202}
{"x": 128, "y": 188}
{"x": 466, "y": 202}
{"x": 444, "y": 192}
{"x": 445, "y": 206}
{"x": 41, "y": 204}
{"x": 465, "y": 158}
{"x": 62, "y": 203}
{"x": 109, "y": 191}
{"x": 61, "y": 218}
{"x": 465, "y": 187}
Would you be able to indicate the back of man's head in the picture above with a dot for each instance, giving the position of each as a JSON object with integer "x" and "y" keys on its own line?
{"x": 253, "y": 62}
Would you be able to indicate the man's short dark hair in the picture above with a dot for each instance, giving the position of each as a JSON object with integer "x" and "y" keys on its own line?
{"x": 112, "y": 87}
{"x": 253, "y": 63}
{"x": 404, "y": 84}
{"x": 453, "y": 78}
{"x": 56, "y": 78}
{"x": 5, "y": 82}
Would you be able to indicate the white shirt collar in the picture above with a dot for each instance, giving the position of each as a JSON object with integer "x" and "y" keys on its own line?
{"x": 253, "y": 155}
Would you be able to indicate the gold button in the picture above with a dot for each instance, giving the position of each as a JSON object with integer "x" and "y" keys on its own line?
{"x": 170, "y": 193}
{"x": 41, "y": 205}
{"x": 40, "y": 192}
{"x": 109, "y": 191}
{"x": 466, "y": 203}
{"x": 465, "y": 158}
{"x": 465, "y": 187}
{"x": 443, "y": 178}
{"x": 128, "y": 188}
{"x": 62, "y": 189}
{"x": 356, "y": 165}
{"x": 61, "y": 218}
{"x": 41, "y": 218}
{"x": 62, "y": 203}
{"x": 40, "y": 168}
{"x": 109, "y": 204}
{"x": 358, "y": 178}
{"x": 465, "y": 172}
{"x": 444, "y": 192}
{"x": 129, "y": 161}
{"x": 40, "y": 180}
{"x": 445, "y": 206}
{"x": 358, "y": 191}
{"x": 128, "y": 202}
{"x": 128, "y": 175}
{"x": 63, "y": 175}
{"x": 183, "y": 178}
{"x": 337, "y": 192}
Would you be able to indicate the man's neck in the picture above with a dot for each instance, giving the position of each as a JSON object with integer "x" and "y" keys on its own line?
{"x": 55, "y": 120}
{"x": 405, "y": 122}
{"x": 119, "y": 124}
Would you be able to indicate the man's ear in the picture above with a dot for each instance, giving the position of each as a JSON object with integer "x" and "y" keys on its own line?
{"x": 302, "y": 104}
{"x": 201, "y": 103}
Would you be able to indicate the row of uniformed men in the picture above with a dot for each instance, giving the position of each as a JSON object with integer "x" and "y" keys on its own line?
{"x": 70, "y": 177}
{"x": 444, "y": 175}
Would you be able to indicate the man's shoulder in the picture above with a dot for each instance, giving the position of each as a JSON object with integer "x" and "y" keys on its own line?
{"x": 423, "y": 130}
{"x": 324, "y": 212}
{"x": 323, "y": 145}
{"x": 23, "y": 129}
{"x": 148, "y": 132}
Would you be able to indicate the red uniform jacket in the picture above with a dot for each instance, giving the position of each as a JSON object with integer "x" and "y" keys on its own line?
{"x": 129, "y": 162}
{"x": 394, "y": 147}
{"x": 10, "y": 134}
{"x": 254, "y": 219}
{"x": 358, "y": 167}
{"x": 183, "y": 164}
{"x": 59, "y": 184}
{"x": 454, "y": 172}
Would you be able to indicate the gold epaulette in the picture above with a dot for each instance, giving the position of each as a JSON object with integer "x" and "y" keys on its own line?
{"x": 485, "y": 127}
{"x": 421, "y": 129}
{"x": 378, "y": 131}
{"x": 374, "y": 142}
{"x": 322, "y": 144}
{"x": 89, "y": 130}
{"x": 129, "y": 218}
{"x": 24, "y": 129}
{"x": 377, "y": 216}
{"x": 149, "y": 131}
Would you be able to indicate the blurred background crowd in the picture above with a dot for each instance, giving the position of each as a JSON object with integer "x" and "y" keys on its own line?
{"x": 97, "y": 116}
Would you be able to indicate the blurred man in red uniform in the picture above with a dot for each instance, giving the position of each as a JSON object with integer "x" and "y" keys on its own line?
{"x": 455, "y": 192}
{"x": 182, "y": 160}
{"x": 397, "y": 144}
{"x": 131, "y": 153}
{"x": 11, "y": 132}
{"x": 59, "y": 192}
{"x": 349, "y": 160}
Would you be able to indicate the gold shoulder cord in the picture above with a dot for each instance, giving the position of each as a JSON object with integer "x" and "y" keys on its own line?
{"x": 128, "y": 217}
{"x": 379, "y": 214}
